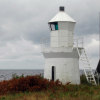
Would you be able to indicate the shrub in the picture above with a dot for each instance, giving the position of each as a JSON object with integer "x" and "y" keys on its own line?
{"x": 83, "y": 79}
{"x": 16, "y": 76}
{"x": 28, "y": 83}
{"x": 38, "y": 83}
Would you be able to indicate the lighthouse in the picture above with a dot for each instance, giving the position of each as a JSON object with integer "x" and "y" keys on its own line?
{"x": 61, "y": 57}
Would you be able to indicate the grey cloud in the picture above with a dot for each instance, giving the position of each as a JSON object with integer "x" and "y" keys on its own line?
{"x": 29, "y": 19}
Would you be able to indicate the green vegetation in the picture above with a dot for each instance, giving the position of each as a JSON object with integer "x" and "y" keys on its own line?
{"x": 15, "y": 76}
{"x": 37, "y": 88}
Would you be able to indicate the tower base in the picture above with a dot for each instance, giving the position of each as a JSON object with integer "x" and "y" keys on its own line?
{"x": 62, "y": 66}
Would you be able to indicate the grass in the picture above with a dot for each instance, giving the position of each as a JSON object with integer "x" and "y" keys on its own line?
{"x": 81, "y": 92}
{"x": 50, "y": 96}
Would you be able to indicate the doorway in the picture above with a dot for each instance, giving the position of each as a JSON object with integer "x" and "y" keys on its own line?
{"x": 53, "y": 73}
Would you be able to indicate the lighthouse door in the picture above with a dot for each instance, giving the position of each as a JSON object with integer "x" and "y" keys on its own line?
{"x": 53, "y": 73}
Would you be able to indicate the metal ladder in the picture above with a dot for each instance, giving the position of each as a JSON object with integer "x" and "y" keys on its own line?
{"x": 87, "y": 67}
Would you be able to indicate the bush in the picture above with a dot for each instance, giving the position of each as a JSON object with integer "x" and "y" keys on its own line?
{"x": 28, "y": 83}
{"x": 16, "y": 76}
{"x": 38, "y": 83}
{"x": 83, "y": 79}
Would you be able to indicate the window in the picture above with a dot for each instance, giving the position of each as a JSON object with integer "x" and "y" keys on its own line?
{"x": 54, "y": 26}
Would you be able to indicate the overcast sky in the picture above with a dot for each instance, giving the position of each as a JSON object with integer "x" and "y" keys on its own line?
{"x": 23, "y": 25}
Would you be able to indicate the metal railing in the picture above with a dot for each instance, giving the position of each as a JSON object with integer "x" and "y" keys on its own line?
{"x": 77, "y": 42}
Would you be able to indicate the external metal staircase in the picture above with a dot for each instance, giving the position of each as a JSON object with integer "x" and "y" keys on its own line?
{"x": 86, "y": 64}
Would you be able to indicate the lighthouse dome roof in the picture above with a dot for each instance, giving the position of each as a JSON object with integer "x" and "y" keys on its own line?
{"x": 62, "y": 16}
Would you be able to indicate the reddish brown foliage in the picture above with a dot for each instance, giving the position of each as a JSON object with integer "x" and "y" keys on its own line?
{"x": 29, "y": 83}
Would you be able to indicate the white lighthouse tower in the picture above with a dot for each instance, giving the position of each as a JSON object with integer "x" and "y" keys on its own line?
{"x": 61, "y": 58}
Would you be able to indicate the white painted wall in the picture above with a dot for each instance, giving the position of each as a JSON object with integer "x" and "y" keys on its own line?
{"x": 54, "y": 39}
{"x": 66, "y": 64}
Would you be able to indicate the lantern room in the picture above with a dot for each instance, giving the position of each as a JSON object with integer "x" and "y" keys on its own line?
{"x": 61, "y": 27}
